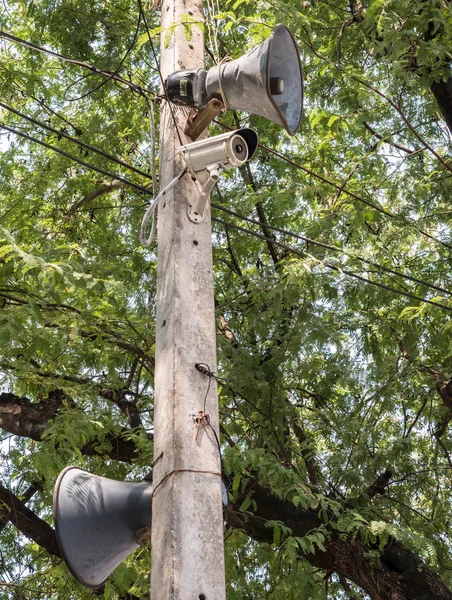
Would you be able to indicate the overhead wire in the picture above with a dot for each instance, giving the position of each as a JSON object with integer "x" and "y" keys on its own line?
{"x": 118, "y": 68}
{"x": 146, "y": 241}
{"x": 332, "y": 248}
{"x": 339, "y": 187}
{"x": 74, "y": 61}
{"x": 233, "y": 225}
{"x": 342, "y": 189}
{"x": 75, "y": 159}
{"x": 48, "y": 108}
{"x": 335, "y": 268}
{"x": 142, "y": 188}
{"x": 173, "y": 117}
{"x": 61, "y": 133}
{"x": 152, "y": 207}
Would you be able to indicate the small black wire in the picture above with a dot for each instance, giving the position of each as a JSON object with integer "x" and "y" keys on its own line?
{"x": 118, "y": 68}
{"x": 207, "y": 393}
{"x": 334, "y": 267}
{"x": 205, "y": 370}
{"x": 76, "y": 82}
{"x": 77, "y": 160}
{"x": 160, "y": 72}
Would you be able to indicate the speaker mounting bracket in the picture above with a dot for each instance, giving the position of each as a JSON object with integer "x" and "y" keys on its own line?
{"x": 198, "y": 121}
{"x": 196, "y": 211}
{"x": 144, "y": 536}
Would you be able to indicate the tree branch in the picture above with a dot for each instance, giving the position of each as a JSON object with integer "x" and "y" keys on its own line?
{"x": 401, "y": 574}
{"x": 387, "y": 140}
{"x": 24, "y": 418}
{"x": 248, "y": 179}
{"x": 4, "y": 511}
{"x": 28, "y": 522}
{"x": 106, "y": 188}
{"x": 379, "y": 485}
{"x": 307, "y": 455}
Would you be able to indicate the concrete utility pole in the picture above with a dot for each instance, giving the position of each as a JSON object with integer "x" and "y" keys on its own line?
{"x": 187, "y": 512}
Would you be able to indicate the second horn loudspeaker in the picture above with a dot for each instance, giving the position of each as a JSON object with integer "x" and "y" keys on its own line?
{"x": 98, "y": 522}
{"x": 268, "y": 81}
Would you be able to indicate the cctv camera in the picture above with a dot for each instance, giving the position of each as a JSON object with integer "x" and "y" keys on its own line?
{"x": 230, "y": 149}
{"x": 213, "y": 155}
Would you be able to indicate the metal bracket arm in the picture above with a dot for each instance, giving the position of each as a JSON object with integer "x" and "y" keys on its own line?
{"x": 196, "y": 211}
{"x": 200, "y": 120}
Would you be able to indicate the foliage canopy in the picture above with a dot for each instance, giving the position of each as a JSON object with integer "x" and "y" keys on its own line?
{"x": 335, "y": 353}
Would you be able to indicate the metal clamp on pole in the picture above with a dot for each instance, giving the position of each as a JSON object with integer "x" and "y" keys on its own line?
{"x": 196, "y": 211}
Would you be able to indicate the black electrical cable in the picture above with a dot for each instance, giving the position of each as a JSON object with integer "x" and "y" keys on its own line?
{"x": 333, "y": 248}
{"x": 216, "y": 206}
{"x": 73, "y": 61}
{"x": 334, "y": 267}
{"x": 339, "y": 187}
{"x": 50, "y": 110}
{"x": 219, "y": 207}
{"x": 160, "y": 72}
{"x": 118, "y": 68}
{"x": 75, "y": 140}
{"x": 77, "y": 160}
{"x": 343, "y": 190}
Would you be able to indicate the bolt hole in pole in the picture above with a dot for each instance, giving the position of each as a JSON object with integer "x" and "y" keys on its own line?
{"x": 202, "y": 597}
{"x": 195, "y": 242}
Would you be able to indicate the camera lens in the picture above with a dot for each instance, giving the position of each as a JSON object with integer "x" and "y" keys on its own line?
{"x": 239, "y": 148}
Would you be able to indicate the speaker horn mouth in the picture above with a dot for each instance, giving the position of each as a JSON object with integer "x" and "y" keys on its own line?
{"x": 96, "y": 522}
{"x": 284, "y": 78}
{"x": 59, "y": 527}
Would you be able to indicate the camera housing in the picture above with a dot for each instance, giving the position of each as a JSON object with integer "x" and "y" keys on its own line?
{"x": 227, "y": 150}
{"x": 214, "y": 154}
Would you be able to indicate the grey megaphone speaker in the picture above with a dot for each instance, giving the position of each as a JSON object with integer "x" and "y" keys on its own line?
{"x": 98, "y": 522}
{"x": 268, "y": 81}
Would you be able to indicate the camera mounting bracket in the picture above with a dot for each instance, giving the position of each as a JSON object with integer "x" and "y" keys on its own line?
{"x": 196, "y": 211}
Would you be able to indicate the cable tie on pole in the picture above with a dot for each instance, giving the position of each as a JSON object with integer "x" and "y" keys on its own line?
{"x": 153, "y": 208}
{"x": 221, "y": 64}
{"x": 205, "y": 370}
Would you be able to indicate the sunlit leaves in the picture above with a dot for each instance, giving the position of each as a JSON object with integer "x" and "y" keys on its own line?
{"x": 325, "y": 381}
